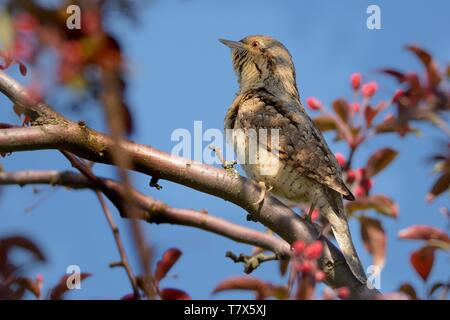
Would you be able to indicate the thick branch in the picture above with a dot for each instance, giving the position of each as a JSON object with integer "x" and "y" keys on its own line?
{"x": 151, "y": 210}
{"x": 92, "y": 145}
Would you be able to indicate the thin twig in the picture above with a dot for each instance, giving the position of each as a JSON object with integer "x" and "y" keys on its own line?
{"x": 120, "y": 247}
{"x": 87, "y": 172}
{"x": 253, "y": 261}
{"x": 115, "y": 115}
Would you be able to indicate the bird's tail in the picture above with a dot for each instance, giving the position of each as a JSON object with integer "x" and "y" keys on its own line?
{"x": 341, "y": 231}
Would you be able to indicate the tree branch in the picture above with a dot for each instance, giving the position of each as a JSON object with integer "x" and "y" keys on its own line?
{"x": 87, "y": 143}
{"x": 251, "y": 262}
{"x": 120, "y": 247}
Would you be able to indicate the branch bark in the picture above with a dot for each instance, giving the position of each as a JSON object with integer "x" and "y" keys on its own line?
{"x": 151, "y": 210}
{"x": 119, "y": 244}
{"x": 56, "y": 132}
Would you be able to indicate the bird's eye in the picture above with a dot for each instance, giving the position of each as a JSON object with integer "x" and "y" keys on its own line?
{"x": 255, "y": 44}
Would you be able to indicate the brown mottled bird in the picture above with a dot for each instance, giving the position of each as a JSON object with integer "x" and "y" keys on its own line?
{"x": 306, "y": 171}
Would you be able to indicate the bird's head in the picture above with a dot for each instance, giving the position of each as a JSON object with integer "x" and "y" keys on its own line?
{"x": 262, "y": 61}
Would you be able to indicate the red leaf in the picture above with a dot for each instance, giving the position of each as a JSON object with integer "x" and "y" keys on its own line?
{"x": 423, "y": 232}
{"x": 174, "y": 294}
{"x": 408, "y": 289}
{"x": 283, "y": 266}
{"x": 305, "y": 289}
{"x": 388, "y": 124}
{"x": 28, "y": 284}
{"x": 58, "y": 291}
{"x": 440, "y": 185}
{"x": 374, "y": 239}
{"x": 380, "y": 160}
{"x": 262, "y": 289}
{"x": 128, "y": 296}
{"x": 422, "y": 260}
{"x": 127, "y": 118}
{"x": 439, "y": 285}
{"x": 166, "y": 263}
{"x": 22, "y": 68}
{"x": 8, "y": 61}
{"x": 380, "y": 203}
{"x": 325, "y": 123}
{"x": 7, "y": 244}
{"x": 342, "y": 109}
{"x": 415, "y": 91}
{"x": 432, "y": 73}
{"x": 400, "y": 76}
{"x": 370, "y": 114}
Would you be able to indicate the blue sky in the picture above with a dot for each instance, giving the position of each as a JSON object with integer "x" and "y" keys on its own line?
{"x": 179, "y": 73}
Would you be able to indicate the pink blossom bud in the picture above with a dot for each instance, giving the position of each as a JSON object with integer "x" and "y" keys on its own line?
{"x": 314, "y": 250}
{"x": 360, "y": 173}
{"x": 355, "y": 80}
{"x": 351, "y": 176}
{"x": 369, "y": 89}
{"x": 314, "y": 103}
{"x": 340, "y": 159}
{"x": 298, "y": 246}
{"x": 39, "y": 278}
{"x": 305, "y": 267}
{"x": 320, "y": 276}
{"x": 315, "y": 215}
{"x": 355, "y": 107}
{"x": 343, "y": 292}
{"x": 367, "y": 184}
{"x": 359, "y": 192}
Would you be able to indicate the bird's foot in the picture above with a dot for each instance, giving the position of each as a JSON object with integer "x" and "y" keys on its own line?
{"x": 264, "y": 191}
{"x": 229, "y": 166}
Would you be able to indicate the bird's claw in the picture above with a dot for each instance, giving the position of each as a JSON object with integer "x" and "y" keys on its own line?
{"x": 264, "y": 191}
{"x": 227, "y": 165}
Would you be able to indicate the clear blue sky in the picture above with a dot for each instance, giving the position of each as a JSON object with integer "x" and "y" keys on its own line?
{"x": 179, "y": 73}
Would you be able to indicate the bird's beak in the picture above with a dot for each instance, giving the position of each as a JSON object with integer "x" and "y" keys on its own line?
{"x": 232, "y": 44}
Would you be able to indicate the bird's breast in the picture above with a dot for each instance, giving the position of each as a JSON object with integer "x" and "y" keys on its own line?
{"x": 261, "y": 164}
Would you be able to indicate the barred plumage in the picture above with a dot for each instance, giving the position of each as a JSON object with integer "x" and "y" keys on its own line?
{"x": 307, "y": 170}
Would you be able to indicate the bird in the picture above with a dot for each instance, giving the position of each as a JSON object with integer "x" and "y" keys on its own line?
{"x": 306, "y": 169}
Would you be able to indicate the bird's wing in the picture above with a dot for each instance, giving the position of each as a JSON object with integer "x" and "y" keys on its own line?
{"x": 301, "y": 143}
{"x": 232, "y": 111}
